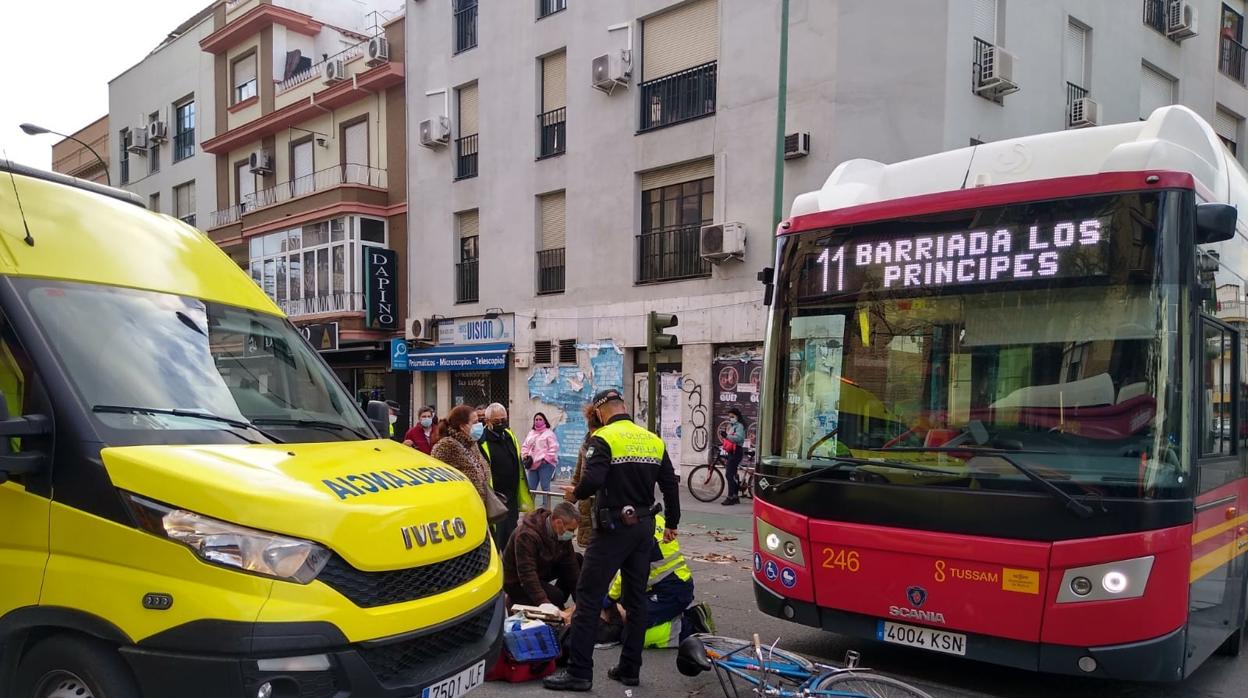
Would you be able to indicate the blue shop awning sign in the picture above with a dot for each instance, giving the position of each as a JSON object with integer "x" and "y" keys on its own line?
{"x": 474, "y": 357}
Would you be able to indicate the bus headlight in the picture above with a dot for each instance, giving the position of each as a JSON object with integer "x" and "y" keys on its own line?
{"x": 781, "y": 544}
{"x": 230, "y": 545}
{"x": 1125, "y": 579}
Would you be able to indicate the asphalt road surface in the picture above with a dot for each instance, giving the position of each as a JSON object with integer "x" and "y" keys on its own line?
{"x": 717, "y": 542}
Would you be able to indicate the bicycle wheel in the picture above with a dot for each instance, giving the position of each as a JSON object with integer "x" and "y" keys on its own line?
{"x": 747, "y": 483}
{"x": 718, "y": 647}
{"x": 869, "y": 686}
{"x": 706, "y": 483}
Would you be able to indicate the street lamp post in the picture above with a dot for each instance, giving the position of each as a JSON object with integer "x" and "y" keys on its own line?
{"x": 33, "y": 130}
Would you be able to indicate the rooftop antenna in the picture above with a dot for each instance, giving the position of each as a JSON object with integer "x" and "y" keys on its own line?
{"x": 30, "y": 240}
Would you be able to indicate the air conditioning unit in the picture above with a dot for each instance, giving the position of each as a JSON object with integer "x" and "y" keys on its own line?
{"x": 722, "y": 241}
{"x": 612, "y": 70}
{"x": 796, "y": 145}
{"x": 423, "y": 330}
{"x": 138, "y": 141}
{"x": 435, "y": 132}
{"x": 1084, "y": 112}
{"x": 1180, "y": 21}
{"x": 261, "y": 162}
{"x": 157, "y": 132}
{"x": 996, "y": 73}
{"x": 378, "y": 51}
{"x": 335, "y": 71}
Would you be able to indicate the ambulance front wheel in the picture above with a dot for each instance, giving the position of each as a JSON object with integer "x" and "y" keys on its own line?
{"x": 70, "y": 666}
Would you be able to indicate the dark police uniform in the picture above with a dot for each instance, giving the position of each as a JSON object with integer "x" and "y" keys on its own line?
{"x": 622, "y": 464}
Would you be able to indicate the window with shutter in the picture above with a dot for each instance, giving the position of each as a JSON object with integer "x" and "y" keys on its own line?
{"x": 468, "y": 110}
{"x": 244, "y": 70}
{"x": 567, "y": 351}
{"x": 1226, "y": 125}
{"x": 1156, "y": 91}
{"x": 543, "y": 352}
{"x": 553, "y": 226}
{"x": 680, "y": 39}
{"x": 554, "y": 81}
{"x": 984, "y": 23}
{"x": 1076, "y": 53}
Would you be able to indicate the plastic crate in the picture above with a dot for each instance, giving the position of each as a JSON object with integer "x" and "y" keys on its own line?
{"x": 533, "y": 644}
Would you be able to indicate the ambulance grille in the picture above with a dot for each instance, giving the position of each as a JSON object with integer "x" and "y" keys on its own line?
{"x": 396, "y": 662}
{"x": 372, "y": 589}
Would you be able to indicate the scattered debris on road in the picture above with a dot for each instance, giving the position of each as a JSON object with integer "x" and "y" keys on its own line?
{"x": 717, "y": 558}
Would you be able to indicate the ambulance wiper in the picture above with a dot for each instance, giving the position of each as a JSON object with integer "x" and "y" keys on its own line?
{"x": 194, "y": 414}
{"x": 311, "y": 424}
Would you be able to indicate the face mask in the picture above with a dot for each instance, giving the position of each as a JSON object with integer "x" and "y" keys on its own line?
{"x": 426, "y": 422}
{"x": 732, "y": 420}
{"x": 565, "y": 536}
{"x": 540, "y": 426}
{"x": 500, "y": 427}
{"x": 394, "y": 418}
{"x": 476, "y": 431}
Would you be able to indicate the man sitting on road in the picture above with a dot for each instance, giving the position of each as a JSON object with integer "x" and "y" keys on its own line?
{"x": 539, "y": 564}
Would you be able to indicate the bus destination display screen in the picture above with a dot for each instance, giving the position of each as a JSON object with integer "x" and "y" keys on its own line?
{"x": 1062, "y": 249}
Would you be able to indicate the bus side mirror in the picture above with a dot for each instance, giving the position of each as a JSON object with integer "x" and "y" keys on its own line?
{"x": 25, "y": 462}
{"x": 1215, "y": 222}
{"x": 378, "y": 414}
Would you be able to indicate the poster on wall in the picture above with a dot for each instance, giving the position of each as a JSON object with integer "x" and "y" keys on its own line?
{"x": 671, "y": 407}
{"x": 736, "y": 374}
{"x": 563, "y": 391}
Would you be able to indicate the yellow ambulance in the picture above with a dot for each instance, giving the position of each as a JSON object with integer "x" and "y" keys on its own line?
{"x": 192, "y": 505}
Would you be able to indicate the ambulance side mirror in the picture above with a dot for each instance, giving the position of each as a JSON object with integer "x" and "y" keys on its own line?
{"x": 1215, "y": 222}
{"x": 23, "y": 462}
{"x": 378, "y": 414}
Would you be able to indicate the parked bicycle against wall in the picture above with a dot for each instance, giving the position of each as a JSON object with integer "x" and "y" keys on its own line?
{"x": 707, "y": 482}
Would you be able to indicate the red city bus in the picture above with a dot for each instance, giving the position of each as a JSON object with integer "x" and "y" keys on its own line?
{"x": 999, "y": 403}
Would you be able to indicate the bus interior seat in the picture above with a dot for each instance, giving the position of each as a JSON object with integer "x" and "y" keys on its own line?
{"x": 936, "y": 438}
{"x": 1131, "y": 390}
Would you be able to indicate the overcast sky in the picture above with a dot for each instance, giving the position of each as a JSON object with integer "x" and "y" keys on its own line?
{"x": 59, "y": 55}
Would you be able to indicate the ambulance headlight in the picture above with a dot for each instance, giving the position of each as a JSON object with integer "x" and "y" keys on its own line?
{"x": 229, "y": 545}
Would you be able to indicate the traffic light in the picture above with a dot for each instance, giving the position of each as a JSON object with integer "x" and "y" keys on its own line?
{"x": 656, "y": 339}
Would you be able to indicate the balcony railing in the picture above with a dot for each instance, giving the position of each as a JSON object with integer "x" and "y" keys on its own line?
{"x": 545, "y": 8}
{"x": 183, "y": 144}
{"x": 1155, "y": 14}
{"x": 321, "y": 180}
{"x": 316, "y": 69}
{"x": 1074, "y": 93}
{"x": 189, "y": 220}
{"x": 689, "y": 94}
{"x": 467, "y": 289}
{"x": 1232, "y": 309}
{"x": 341, "y": 302}
{"x": 466, "y": 26}
{"x": 550, "y": 270}
{"x": 670, "y": 254}
{"x": 979, "y": 60}
{"x": 466, "y": 157}
{"x": 552, "y": 127}
{"x": 1231, "y": 59}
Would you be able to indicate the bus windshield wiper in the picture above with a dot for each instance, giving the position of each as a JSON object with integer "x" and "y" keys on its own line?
{"x": 310, "y": 424}
{"x": 193, "y": 414}
{"x": 1082, "y": 510}
{"x": 840, "y": 461}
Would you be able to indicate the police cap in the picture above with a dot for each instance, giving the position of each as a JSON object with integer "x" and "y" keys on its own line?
{"x": 605, "y": 396}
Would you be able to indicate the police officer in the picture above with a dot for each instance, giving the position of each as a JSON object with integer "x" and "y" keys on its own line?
{"x": 622, "y": 464}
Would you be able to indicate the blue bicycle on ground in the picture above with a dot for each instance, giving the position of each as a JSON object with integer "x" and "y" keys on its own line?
{"x": 775, "y": 673}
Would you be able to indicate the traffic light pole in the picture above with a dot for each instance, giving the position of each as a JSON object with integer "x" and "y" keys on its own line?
{"x": 652, "y": 374}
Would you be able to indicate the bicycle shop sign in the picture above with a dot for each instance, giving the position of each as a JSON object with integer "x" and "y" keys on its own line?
{"x": 478, "y": 330}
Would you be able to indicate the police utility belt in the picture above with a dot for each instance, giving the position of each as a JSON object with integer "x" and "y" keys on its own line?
{"x": 612, "y": 518}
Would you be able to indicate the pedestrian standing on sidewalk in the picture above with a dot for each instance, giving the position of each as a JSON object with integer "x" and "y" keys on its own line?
{"x": 734, "y": 443}
{"x": 502, "y": 451}
{"x": 420, "y": 436}
{"x": 622, "y": 465}
{"x": 456, "y": 445}
{"x": 540, "y": 454}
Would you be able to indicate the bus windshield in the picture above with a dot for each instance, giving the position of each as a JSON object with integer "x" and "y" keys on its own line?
{"x": 956, "y": 346}
{"x": 175, "y": 369}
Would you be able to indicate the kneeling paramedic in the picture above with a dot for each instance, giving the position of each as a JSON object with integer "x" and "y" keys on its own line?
{"x": 622, "y": 464}
{"x": 669, "y": 593}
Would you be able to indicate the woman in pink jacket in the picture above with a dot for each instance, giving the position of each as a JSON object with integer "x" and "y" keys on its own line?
{"x": 540, "y": 454}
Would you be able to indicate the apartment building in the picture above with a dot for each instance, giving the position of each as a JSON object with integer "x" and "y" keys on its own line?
{"x": 72, "y": 158}
{"x": 567, "y": 157}
{"x": 159, "y": 110}
{"x": 309, "y": 171}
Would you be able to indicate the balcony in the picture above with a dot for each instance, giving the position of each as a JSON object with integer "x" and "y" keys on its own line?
{"x": 550, "y": 270}
{"x": 321, "y": 180}
{"x": 467, "y": 287}
{"x": 552, "y": 127}
{"x": 683, "y": 96}
{"x": 466, "y": 157}
{"x": 1155, "y": 14}
{"x": 546, "y": 8}
{"x": 670, "y": 254}
{"x": 466, "y": 26}
{"x": 1231, "y": 59}
{"x": 341, "y": 302}
{"x": 1074, "y": 93}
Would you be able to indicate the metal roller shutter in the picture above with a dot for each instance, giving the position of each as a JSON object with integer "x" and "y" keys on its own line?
{"x": 679, "y": 39}
{"x": 469, "y": 223}
{"x": 985, "y": 23}
{"x": 1076, "y": 51}
{"x": 467, "y": 110}
{"x": 554, "y": 82}
{"x": 553, "y": 225}
{"x": 1156, "y": 91}
{"x": 688, "y": 172}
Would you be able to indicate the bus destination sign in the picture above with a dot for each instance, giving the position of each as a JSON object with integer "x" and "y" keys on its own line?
{"x": 1055, "y": 250}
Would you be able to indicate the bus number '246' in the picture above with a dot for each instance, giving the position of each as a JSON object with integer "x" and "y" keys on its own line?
{"x": 846, "y": 560}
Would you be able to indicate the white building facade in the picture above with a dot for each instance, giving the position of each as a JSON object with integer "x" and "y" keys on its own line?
{"x": 560, "y": 197}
